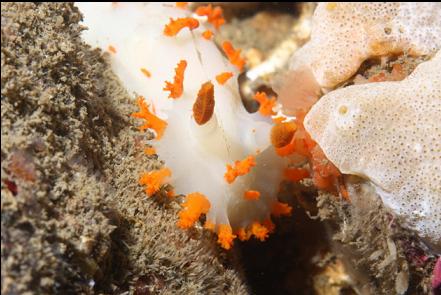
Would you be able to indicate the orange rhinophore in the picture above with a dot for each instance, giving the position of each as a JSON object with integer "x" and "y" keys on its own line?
{"x": 251, "y": 195}
{"x": 146, "y": 72}
{"x": 240, "y": 168}
{"x": 182, "y": 5}
{"x": 177, "y": 87}
{"x": 176, "y": 25}
{"x": 259, "y": 231}
{"x": 222, "y": 78}
{"x": 296, "y": 174}
{"x": 153, "y": 180}
{"x": 207, "y": 34}
{"x": 233, "y": 55}
{"x": 111, "y": 49}
{"x": 195, "y": 205}
{"x": 203, "y": 107}
{"x": 225, "y": 236}
{"x": 152, "y": 121}
{"x": 280, "y": 209}
{"x": 266, "y": 104}
{"x": 214, "y": 15}
{"x": 282, "y": 134}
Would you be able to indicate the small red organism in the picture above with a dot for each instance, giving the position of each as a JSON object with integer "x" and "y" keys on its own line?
{"x": 12, "y": 187}
{"x": 177, "y": 87}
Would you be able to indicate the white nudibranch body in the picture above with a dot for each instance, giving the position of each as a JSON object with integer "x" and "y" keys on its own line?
{"x": 197, "y": 155}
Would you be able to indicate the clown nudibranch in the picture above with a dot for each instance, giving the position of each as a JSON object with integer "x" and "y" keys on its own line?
{"x": 215, "y": 153}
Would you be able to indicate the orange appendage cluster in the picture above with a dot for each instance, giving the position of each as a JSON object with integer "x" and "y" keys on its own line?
{"x": 194, "y": 206}
{"x": 259, "y": 230}
{"x": 266, "y": 104}
{"x": 177, "y": 87}
{"x": 176, "y": 25}
{"x": 240, "y": 168}
{"x": 152, "y": 121}
{"x": 233, "y": 55}
{"x": 225, "y": 236}
{"x": 153, "y": 180}
{"x": 222, "y": 78}
{"x": 214, "y": 15}
{"x": 324, "y": 174}
{"x": 207, "y": 34}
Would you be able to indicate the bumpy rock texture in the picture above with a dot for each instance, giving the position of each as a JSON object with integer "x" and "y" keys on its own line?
{"x": 73, "y": 216}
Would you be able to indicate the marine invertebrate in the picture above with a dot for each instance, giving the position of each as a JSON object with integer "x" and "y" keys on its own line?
{"x": 346, "y": 34}
{"x": 228, "y": 135}
{"x": 389, "y": 133}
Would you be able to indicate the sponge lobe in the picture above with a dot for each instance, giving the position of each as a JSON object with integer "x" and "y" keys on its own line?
{"x": 346, "y": 34}
{"x": 389, "y": 132}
